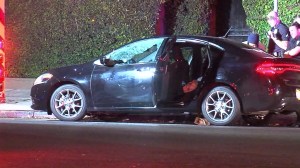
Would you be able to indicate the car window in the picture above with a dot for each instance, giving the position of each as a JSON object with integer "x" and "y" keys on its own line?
{"x": 187, "y": 53}
{"x": 137, "y": 52}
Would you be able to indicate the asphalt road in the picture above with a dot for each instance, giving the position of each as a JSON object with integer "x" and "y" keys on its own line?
{"x": 52, "y": 143}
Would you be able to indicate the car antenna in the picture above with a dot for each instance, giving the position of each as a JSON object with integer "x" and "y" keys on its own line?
{"x": 226, "y": 34}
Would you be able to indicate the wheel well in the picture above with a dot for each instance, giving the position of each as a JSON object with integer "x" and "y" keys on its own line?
{"x": 204, "y": 91}
{"x": 53, "y": 88}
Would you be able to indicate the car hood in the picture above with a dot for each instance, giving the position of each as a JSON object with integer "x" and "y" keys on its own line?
{"x": 73, "y": 70}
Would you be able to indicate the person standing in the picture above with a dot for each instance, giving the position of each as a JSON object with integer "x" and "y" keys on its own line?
{"x": 278, "y": 35}
{"x": 293, "y": 48}
{"x": 253, "y": 41}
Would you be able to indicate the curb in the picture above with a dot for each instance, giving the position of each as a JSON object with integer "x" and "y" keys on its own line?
{"x": 26, "y": 114}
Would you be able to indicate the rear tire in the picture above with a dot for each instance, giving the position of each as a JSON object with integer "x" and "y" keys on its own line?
{"x": 68, "y": 103}
{"x": 221, "y": 107}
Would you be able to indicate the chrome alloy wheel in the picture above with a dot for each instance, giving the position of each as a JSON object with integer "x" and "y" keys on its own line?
{"x": 219, "y": 106}
{"x": 68, "y": 103}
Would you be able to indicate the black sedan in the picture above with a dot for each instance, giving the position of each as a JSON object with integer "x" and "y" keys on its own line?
{"x": 222, "y": 80}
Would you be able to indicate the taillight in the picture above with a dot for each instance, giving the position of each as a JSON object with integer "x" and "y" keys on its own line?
{"x": 276, "y": 68}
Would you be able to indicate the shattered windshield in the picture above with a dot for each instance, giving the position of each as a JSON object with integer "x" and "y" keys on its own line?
{"x": 140, "y": 51}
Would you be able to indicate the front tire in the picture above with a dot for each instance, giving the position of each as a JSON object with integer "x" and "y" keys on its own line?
{"x": 68, "y": 103}
{"x": 221, "y": 107}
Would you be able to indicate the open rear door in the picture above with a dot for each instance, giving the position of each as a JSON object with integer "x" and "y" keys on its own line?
{"x": 185, "y": 61}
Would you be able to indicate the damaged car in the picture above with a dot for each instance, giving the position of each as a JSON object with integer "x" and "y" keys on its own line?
{"x": 222, "y": 80}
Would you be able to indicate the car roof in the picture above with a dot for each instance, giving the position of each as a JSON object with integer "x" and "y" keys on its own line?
{"x": 221, "y": 41}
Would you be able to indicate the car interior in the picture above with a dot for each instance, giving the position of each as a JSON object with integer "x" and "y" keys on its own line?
{"x": 187, "y": 63}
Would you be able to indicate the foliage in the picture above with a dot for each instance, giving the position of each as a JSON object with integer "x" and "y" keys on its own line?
{"x": 192, "y": 18}
{"x": 44, "y": 34}
{"x": 186, "y": 17}
{"x": 257, "y": 10}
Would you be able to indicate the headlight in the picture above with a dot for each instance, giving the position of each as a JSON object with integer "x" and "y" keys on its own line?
{"x": 43, "y": 78}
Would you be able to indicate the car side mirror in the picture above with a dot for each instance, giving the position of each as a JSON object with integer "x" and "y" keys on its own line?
{"x": 102, "y": 59}
{"x": 108, "y": 62}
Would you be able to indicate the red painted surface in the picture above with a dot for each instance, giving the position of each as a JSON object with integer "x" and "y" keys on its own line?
{"x": 2, "y": 54}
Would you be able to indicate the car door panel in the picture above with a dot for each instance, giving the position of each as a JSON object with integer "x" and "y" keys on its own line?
{"x": 126, "y": 78}
{"x": 123, "y": 85}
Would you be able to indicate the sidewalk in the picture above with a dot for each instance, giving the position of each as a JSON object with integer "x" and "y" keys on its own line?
{"x": 17, "y": 92}
{"x": 18, "y": 100}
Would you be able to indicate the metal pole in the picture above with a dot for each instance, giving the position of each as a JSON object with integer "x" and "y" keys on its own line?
{"x": 275, "y": 5}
